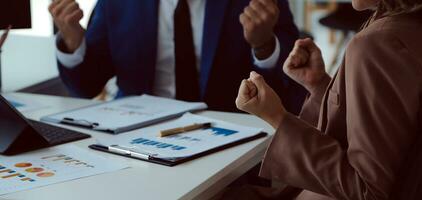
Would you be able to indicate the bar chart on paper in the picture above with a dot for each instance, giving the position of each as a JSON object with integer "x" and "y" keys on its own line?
{"x": 182, "y": 141}
{"x": 48, "y": 167}
{"x": 184, "y": 144}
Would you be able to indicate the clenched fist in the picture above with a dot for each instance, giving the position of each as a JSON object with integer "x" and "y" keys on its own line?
{"x": 66, "y": 15}
{"x": 305, "y": 65}
{"x": 258, "y": 98}
{"x": 258, "y": 20}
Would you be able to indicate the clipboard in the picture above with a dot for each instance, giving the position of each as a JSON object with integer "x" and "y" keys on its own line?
{"x": 125, "y": 114}
{"x": 177, "y": 161}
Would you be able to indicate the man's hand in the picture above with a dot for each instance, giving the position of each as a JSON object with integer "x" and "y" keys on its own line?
{"x": 66, "y": 15}
{"x": 258, "y": 98}
{"x": 305, "y": 65}
{"x": 258, "y": 21}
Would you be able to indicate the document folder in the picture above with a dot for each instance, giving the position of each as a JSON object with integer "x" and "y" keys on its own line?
{"x": 125, "y": 114}
{"x": 146, "y": 144}
{"x": 170, "y": 162}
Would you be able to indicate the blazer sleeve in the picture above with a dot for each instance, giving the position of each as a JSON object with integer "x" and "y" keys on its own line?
{"x": 311, "y": 107}
{"x": 383, "y": 88}
{"x": 89, "y": 78}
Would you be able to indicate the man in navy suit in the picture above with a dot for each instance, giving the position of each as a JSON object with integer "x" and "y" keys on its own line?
{"x": 194, "y": 50}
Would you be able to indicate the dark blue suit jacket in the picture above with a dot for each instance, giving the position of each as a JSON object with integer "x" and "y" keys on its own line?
{"x": 122, "y": 41}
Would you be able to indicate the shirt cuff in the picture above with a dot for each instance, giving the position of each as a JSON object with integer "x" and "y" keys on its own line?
{"x": 271, "y": 61}
{"x": 70, "y": 60}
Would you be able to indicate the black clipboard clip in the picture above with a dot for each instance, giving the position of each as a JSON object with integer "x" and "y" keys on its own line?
{"x": 79, "y": 122}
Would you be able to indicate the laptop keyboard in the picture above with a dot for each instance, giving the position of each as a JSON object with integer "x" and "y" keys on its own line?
{"x": 56, "y": 135}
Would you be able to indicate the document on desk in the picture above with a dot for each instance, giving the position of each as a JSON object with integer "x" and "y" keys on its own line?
{"x": 23, "y": 105}
{"x": 51, "y": 166}
{"x": 125, "y": 114}
{"x": 183, "y": 146}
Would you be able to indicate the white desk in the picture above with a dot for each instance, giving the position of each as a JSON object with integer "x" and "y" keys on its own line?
{"x": 198, "y": 179}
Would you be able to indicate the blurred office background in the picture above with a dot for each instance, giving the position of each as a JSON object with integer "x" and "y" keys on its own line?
{"x": 29, "y": 64}
{"x": 28, "y": 56}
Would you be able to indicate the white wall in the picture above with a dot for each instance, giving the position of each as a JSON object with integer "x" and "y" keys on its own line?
{"x": 42, "y": 22}
{"x": 41, "y": 19}
{"x": 298, "y": 10}
{"x": 29, "y": 55}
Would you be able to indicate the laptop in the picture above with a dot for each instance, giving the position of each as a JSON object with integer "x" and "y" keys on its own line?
{"x": 19, "y": 135}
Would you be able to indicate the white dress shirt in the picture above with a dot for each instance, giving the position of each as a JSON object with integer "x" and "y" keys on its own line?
{"x": 165, "y": 80}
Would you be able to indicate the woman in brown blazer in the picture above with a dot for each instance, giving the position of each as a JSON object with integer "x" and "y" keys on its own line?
{"x": 355, "y": 135}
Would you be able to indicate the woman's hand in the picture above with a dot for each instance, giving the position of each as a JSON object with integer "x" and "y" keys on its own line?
{"x": 305, "y": 65}
{"x": 258, "y": 98}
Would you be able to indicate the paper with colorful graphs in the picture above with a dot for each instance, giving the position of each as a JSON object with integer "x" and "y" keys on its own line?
{"x": 50, "y": 166}
{"x": 147, "y": 140}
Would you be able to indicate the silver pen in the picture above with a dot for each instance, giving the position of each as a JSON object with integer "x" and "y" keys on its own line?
{"x": 121, "y": 150}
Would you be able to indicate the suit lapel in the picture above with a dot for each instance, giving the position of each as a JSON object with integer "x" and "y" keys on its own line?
{"x": 323, "y": 117}
{"x": 214, "y": 18}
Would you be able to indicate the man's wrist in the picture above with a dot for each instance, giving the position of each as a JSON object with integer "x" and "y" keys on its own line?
{"x": 62, "y": 46}
{"x": 71, "y": 41}
{"x": 73, "y": 59}
{"x": 266, "y": 50}
{"x": 69, "y": 46}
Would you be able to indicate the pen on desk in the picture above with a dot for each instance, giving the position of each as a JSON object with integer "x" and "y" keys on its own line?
{"x": 4, "y": 36}
{"x": 184, "y": 129}
{"x": 119, "y": 150}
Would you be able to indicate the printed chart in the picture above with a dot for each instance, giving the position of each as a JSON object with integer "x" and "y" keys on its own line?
{"x": 184, "y": 144}
{"x": 191, "y": 138}
{"x": 50, "y": 166}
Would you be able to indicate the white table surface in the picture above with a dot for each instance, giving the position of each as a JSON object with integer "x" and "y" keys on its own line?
{"x": 198, "y": 179}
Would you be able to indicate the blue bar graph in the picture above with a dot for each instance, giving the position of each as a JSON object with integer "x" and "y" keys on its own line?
{"x": 160, "y": 145}
{"x": 222, "y": 131}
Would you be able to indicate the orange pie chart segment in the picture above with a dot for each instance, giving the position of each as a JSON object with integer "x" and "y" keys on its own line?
{"x": 34, "y": 170}
{"x": 23, "y": 165}
{"x": 45, "y": 174}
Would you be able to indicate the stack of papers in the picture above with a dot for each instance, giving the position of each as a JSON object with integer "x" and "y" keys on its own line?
{"x": 50, "y": 166}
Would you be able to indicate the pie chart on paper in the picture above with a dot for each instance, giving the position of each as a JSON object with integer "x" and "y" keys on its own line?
{"x": 45, "y": 174}
{"x": 34, "y": 170}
